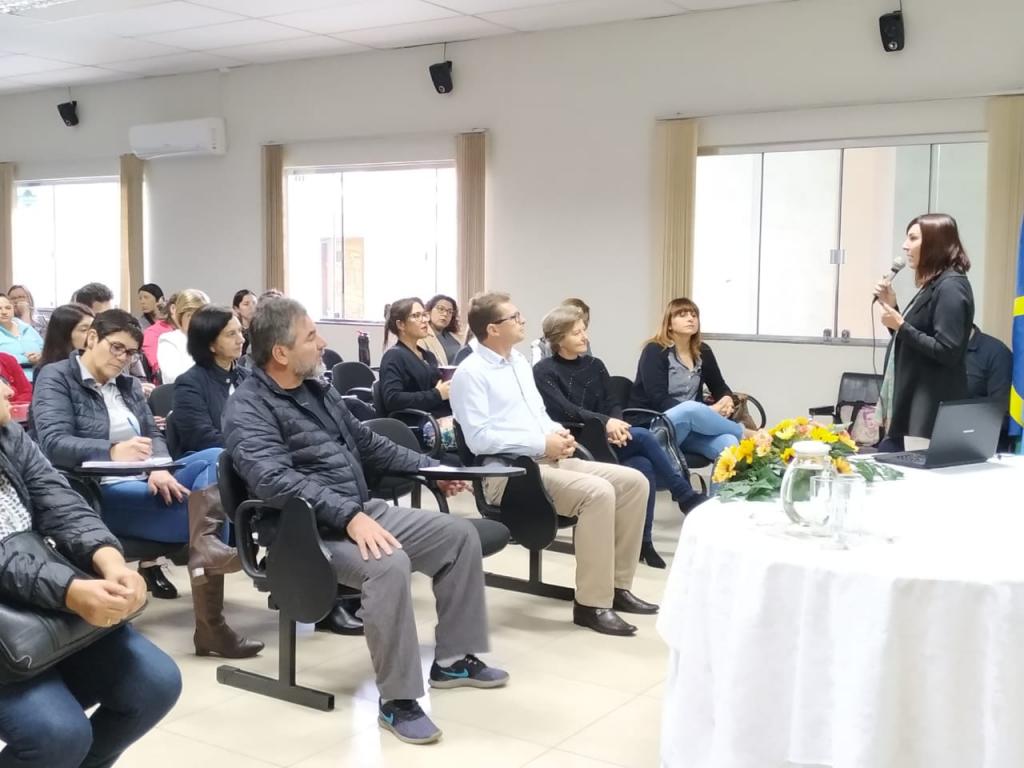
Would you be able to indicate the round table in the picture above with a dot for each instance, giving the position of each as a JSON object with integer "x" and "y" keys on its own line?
{"x": 904, "y": 651}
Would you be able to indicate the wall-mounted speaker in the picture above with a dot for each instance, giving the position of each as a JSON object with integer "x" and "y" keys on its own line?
{"x": 441, "y": 74}
{"x": 890, "y": 25}
{"x": 68, "y": 112}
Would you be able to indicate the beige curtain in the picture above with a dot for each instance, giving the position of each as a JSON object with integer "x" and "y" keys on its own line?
{"x": 471, "y": 178}
{"x": 273, "y": 217}
{"x": 7, "y": 200}
{"x": 132, "y": 245}
{"x": 675, "y": 176}
{"x": 1005, "y": 210}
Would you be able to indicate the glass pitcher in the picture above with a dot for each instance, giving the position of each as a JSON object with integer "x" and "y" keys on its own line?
{"x": 810, "y": 459}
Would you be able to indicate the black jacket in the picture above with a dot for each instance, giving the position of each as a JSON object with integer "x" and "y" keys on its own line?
{"x": 650, "y": 388}
{"x": 200, "y": 395}
{"x": 281, "y": 448}
{"x": 58, "y": 513}
{"x": 408, "y": 382}
{"x": 70, "y": 418}
{"x": 930, "y": 350}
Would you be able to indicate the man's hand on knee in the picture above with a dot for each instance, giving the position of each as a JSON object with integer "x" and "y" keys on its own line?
{"x": 370, "y": 536}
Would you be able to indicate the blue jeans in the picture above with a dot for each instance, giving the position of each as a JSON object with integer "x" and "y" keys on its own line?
{"x": 43, "y": 720}
{"x": 700, "y": 429}
{"x": 129, "y": 509}
{"x": 645, "y": 455}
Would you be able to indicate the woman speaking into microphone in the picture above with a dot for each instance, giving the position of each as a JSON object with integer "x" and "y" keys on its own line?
{"x": 925, "y": 361}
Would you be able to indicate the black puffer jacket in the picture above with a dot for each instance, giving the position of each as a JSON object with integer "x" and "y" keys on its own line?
{"x": 281, "y": 448}
{"x": 200, "y": 395}
{"x": 70, "y": 418}
{"x": 57, "y": 512}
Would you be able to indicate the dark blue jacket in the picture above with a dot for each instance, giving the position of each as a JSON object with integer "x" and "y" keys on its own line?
{"x": 200, "y": 395}
{"x": 70, "y": 419}
{"x": 650, "y": 388}
{"x": 406, "y": 381}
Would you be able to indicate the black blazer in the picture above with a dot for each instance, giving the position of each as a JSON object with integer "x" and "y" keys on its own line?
{"x": 408, "y": 382}
{"x": 930, "y": 352}
{"x": 200, "y": 395}
{"x": 650, "y": 388}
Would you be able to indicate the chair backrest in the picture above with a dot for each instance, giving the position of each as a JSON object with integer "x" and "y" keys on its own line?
{"x": 331, "y": 358}
{"x": 231, "y": 485}
{"x": 378, "y": 400}
{"x": 171, "y": 436}
{"x": 345, "y": 376}
{"x": 594, "y": 438}
{"x": 859, "y": 388}
{"x": 396, "y": 431}
{"x": 161, "y": 400}
{"x": 362, "y": 410}
{"x": 619, "y": 389}
{"x": 462, "y": 354}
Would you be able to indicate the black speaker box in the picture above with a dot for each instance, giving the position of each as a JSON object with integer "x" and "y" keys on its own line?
{"x": 68, "y": 112}
{"x": 441, "y": 74}
{"x": 891, "y": 27}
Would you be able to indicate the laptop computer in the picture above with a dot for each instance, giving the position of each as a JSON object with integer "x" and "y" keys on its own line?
{"x": 965, "y": 432}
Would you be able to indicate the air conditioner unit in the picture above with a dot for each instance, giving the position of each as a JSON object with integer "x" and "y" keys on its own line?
{"x": 205, "y": 136}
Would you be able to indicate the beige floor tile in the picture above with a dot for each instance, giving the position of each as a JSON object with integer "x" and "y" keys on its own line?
{"x": 629, "y": 736}
{"x": 160, "y": 749}
{"x": 559, "y": 759}
{"x": 461, "y": 745}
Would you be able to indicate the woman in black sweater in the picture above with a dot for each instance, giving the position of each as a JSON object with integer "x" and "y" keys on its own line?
{"x": 409, "y": 375}
{"x": 926, "y": 362}
{"x": 574, "y": 386}
{"x": 674, "y": 367}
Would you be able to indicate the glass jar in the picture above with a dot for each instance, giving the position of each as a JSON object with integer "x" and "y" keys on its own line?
{"x": 810, "y": 459}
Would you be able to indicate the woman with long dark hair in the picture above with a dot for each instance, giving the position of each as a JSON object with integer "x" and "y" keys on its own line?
{"x": 926, "y": 359}
{"x": 444, "y": 337}
{"x": 68, "y": 327}
{"x": 244, "y": 306}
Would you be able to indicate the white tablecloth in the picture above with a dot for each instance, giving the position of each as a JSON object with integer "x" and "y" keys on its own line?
{"x": 906, "y": 651}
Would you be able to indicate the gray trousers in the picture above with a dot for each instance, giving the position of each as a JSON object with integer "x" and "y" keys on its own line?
{"x": 445, "y": 548}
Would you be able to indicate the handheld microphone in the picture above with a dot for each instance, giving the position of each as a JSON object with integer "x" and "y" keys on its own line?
{"x": 898, "y": 263}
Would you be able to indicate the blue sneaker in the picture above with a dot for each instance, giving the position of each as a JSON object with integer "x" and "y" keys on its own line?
{"x": 405, "y": 719}
{"x": 467, "y": 671}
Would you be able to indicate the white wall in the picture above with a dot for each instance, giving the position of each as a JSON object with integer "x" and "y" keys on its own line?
{"x": 571, "y": 121}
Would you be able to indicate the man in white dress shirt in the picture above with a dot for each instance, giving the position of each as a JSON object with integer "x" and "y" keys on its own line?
{"x": 497, "y": 404}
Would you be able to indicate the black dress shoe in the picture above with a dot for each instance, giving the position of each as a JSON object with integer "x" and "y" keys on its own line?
{"x": 157, "y": 582}
{"x": 603, "y": 620}
{"x": 627, "y": 602}
{"x": 340, "y": 621}
{"x": 691, "y": 501}
{"x": 650, "y": 556}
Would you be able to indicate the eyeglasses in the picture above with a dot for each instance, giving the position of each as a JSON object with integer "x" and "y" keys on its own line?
{"x": 121, "y": 352}
{"x": 444, "y": 310}
{"x": 417, "y": 316}
{"x": 518, "y": 317}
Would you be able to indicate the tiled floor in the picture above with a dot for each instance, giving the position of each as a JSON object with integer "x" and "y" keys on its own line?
{"x": 576, "y": 699}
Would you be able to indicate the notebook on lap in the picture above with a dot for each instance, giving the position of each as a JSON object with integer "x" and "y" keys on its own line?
{"x": 965, "y": 432}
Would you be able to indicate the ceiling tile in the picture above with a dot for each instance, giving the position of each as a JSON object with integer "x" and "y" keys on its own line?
{"x": 225, "y": 35}
{"x": 180, "y": 62}
{"x": 154, "y": 19}
{"x": 11, "y": 66}
{"x": 365, "y": 14}
{"x": 581, "y": 12}
{"x": 81, "y": 8}
{"x": 260, "y": 8}
{"x": 11, "y": 86}
{"x": 490, "y": 6}
{"x": 61, "y": 41}
{"x": 283, "y": 50}
{"x": 424, "y": 32}
{"x": 715, "y": 5}
{"x": 73, "y": 76}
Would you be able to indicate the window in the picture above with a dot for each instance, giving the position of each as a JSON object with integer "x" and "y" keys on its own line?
{"x": 790, "y": 244}
{"x": 359, "y": 238}
{"x": 67, "y": 233}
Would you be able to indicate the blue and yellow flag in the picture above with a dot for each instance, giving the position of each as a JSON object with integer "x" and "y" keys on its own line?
{"x": 1017, "y": 386}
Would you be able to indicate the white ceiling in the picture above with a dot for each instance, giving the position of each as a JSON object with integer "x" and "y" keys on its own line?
{"x": 85, "y": 41}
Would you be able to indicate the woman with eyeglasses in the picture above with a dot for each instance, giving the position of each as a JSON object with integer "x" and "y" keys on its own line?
{"x": 443, "y": 339}
{"x": 87, "y": 408}
{"x": 25, "y": 308}
{"x": 674, "y": 367}
{"x": 172, "y": 354}
{"x": 18, "y": 338}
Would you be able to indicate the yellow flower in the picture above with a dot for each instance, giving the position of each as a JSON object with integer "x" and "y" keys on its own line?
{"x": 786, "y": 433}
{"x": 725, "y": 469}
{"x": 802, "y": 421}
{"x": 824, "y": 434}
{"x": 846, "y": 440}
{"x": 843, "y": 466}
{"x": 745, "y": 451}
{"x": 787, "y": 455}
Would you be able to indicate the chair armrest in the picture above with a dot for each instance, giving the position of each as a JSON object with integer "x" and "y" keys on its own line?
{"x": 822, "y": 410}
{"x": 245, "y": 534}
{"x": 363, "y": 393}
{"x": 666, "y": 422}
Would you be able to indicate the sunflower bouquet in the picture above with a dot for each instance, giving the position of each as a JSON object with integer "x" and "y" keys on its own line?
{"x": 753, "y": 469}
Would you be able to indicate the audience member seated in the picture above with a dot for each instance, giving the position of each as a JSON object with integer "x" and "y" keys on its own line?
{"x": 409, "y": 375}
{"x": 244, "y": 306}
{"x": 17, "y": 338}
{"x": 497, "y": 404}
{"x": 290, "y": 434}
{"x": 443, "y": 339}
{"x": 989, "y": 373}
{"x": 14, "y": 376}
{"x": 96, "y": 296}
{"x": 87, "y": 409}
{"x": 25, "y": 308}
{"x": 674, "y": 367}
{"x": 163, "y": 323}
{"x": 42, "y": 719}
{"x": 574, "y": 386}
{"x": 150, "y": 297}
{"x": 540, "y": 349}
{"x": 67, "y": 330}
{"x": 172, "y": 354}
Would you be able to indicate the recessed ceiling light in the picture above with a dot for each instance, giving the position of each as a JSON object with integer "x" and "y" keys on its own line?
{"x": 20, "y": 6}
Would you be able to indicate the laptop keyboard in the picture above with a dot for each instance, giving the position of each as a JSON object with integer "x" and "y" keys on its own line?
{"x": 909, "y": 457}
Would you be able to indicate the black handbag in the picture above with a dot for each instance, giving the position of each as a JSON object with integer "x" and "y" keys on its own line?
{"x": 32, "y": 639}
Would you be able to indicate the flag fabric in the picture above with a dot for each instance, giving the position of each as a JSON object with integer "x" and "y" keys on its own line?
{"x": 1017, "y": 382}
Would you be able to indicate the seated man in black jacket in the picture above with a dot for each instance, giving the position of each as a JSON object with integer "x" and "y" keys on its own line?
{"x": 290, "y": 435}
{"x": 42, "y": 719}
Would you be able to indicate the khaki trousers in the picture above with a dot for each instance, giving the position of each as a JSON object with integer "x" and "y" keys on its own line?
{"x": 610, "y": 502}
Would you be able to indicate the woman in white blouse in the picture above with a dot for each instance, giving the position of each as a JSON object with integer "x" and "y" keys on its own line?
{"x": 172, "y": 348}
